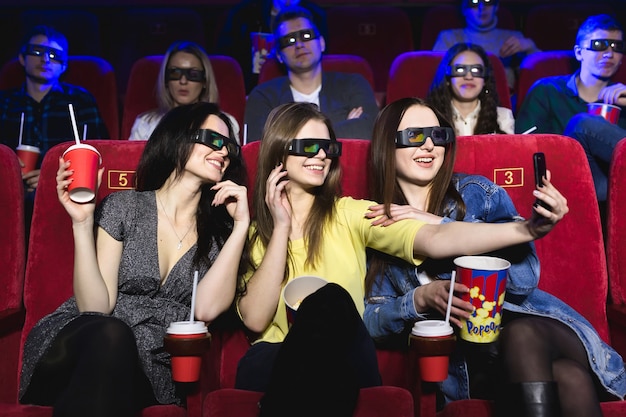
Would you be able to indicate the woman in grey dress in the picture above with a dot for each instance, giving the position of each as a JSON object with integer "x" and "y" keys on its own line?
{"x": 101, "y": 352}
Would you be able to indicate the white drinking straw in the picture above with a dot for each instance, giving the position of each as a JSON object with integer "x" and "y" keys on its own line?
{"x": 85, "y": 131}
{"x": 245, "y": 133}
{"x": 531, "y": 130}
{"x": 76, "y": 137}
{"x": 21, "y": 128}
{"x": 193, "y": 296}
{"x": 452, "y": 279}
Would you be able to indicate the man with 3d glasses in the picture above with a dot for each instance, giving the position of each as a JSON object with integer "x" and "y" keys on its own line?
{"x": 481, "y": 22}
{"x": 559, "y": 104}
{"x": 37, "y": 112}
{"x": 347, "y": 99}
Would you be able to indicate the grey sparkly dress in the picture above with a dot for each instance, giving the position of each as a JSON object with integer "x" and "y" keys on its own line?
{"x": 145, "y": 305}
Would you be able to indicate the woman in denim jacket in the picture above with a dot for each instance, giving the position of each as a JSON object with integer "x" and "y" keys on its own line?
{"x": 573, "y": 366}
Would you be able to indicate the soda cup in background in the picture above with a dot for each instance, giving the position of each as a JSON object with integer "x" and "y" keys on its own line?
{"x": 432, "y": 341}
{"x": 29, "y": 155}
{"x": 262, "y": 45}
{"x": 486, "y": 277}
{"x": 186, "y": 341}
{"x": 85, "y": 161}
{"x": 609, "y": 111}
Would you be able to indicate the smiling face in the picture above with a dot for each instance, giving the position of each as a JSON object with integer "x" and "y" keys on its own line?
{"x": 184, "y": 91}
{"x": 468, "y": 87}
{"x": 206, "y": 163}
{"x": 303, "y": 56}
{"x": 308, "y": 172}
{"x": 41, "y": 69}
{"x": 599, "y": 64}
{"x": 418, "y": 165}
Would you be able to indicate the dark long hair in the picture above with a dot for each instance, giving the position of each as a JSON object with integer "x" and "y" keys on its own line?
{"x": 168, "y": 150}
{"x": 440, "y": 92}
{"x": 383, "y": 178}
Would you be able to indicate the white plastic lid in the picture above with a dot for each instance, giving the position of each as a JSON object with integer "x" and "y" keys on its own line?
{"x": 186, "y": 327}
{"x": 432, "y": 328}
{"x": 82, "y": 146}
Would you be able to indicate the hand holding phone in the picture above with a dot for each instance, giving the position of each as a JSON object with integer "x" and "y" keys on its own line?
{"x": 539, "y": 162}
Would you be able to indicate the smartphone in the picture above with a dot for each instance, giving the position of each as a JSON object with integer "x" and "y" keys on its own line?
{"x": 539, "y": 162}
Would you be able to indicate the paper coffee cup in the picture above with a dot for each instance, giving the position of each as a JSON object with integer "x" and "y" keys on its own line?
{"x": 29, "y": 155}
{"x": 85, "y": 161}
{"x": 486, "y": 277}
{"x": 609, "y": 111}
{"x": 433, "y": 342}
{"x": 297, "y": 290}
{"x": 186, "y": 341}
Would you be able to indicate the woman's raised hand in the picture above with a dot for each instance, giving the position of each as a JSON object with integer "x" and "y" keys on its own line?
{"x": 235, "y": 198}
{"x": 79, "y": 212}
{"x": 276, "y": 196}
{"x": 542, "y": 219}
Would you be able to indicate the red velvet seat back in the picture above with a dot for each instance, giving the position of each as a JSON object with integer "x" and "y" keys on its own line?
{"x": 12, "y": 239}
{"x": 376, "y": 33}
{"x": 574, "y": 251}
{"x": 412, "y": 73}
{"x": 92, "y": 73}
{"x": 549, "y": 63}
{"x": 141, "y": 89}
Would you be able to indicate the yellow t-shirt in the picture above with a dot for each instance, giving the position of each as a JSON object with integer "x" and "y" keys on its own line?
{"x": 343, "y": 258}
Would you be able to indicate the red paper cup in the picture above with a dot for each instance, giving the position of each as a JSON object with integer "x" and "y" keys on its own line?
{"x": 297, "y": 289}
{"x": 29, "y": 155}
{"x": 186, "y": 342}
{"x": 433, "y": 342}
{"x": 262, "y": 44}
{"x": 485, "y": 276}
{"x": 608, "y": 111}
{"x": 85, "y": 161}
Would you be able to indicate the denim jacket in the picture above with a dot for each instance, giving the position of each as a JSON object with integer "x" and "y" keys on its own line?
{"x": 390, "y": 311}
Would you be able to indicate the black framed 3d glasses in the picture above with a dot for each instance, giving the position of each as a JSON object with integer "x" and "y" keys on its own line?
{"x": 311, "y": 147}
{"x": 459, "y": 70}
{"x": 292, "y": 38}
{"x": 52, "y": 54}
{"x": 191, "y": 74}
{"x": 475, "y": 3}
{"x": 217, "y": 141}
{"x": 601, "y": 45}
{"x": 416, "y": 136}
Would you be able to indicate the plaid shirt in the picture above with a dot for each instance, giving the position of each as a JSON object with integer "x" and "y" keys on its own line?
{"x": 48, "y": 123}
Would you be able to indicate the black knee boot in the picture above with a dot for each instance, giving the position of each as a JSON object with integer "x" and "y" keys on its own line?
{"x": 529, "y": 399}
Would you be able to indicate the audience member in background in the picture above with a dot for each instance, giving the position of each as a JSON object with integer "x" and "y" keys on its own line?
{"x": 101, "y": 352}
{"x": 249, "y": 29}
{"x": 481, "y": 23}
{"x": 545, "y": 344}
{"x": 559, "y": 104}
{"x": 186, "y": 76}
{"x": 304, "y": 227}
{"x": 347, "y": 99}
{"x": 464, "y": 91}
{"x": 43, "y": 100}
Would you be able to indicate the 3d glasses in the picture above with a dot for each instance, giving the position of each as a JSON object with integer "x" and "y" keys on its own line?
{"x": 191, "y": 74}
{"x": 303, "y": 35}
{"x": 310, "y": 147}
{"x": 475, "y": 3}
{"x": 459, "y": 70}
{"x": 600, "y": 45}
{"x": 52, "y": 54}
{"x": 416, "y": 136}
{"x": 216, "y": 141}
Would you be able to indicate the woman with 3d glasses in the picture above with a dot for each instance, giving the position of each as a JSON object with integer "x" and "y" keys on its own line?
{"x": 304, "y": 227}
{"x": 186, "y": 76}
{"x": 101, "y": 352}
{"x": 464, "y": 90}
{"x": 542, "y": 356}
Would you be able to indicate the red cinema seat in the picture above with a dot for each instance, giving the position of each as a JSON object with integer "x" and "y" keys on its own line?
{"x": 140, "y": 92}
{"x": 412, "y": 73}
{"x": 92, "y": 73}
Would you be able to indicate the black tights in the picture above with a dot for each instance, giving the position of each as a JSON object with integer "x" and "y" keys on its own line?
{"x": 91, "y": 369}
{"x": 538, "y": 349}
